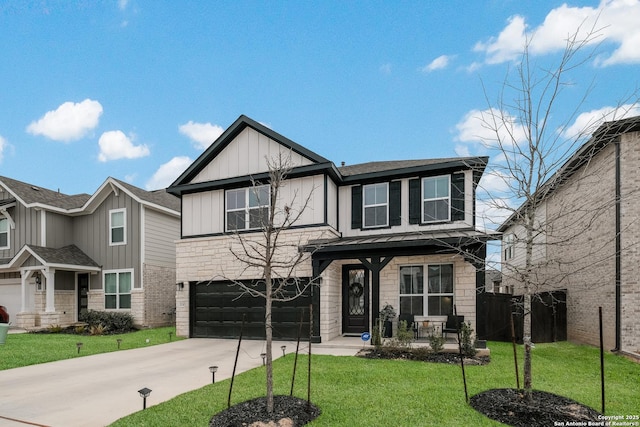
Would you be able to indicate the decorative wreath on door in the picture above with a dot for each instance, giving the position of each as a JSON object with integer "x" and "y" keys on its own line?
{"x": 356, "y": 289}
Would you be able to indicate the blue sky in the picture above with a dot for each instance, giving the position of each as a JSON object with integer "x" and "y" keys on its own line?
{"x": 137, "y": 89}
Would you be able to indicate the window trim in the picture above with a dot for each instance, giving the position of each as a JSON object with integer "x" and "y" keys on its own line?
{"x": 508, "y": 250}
{"x": 123, "y": 226}
{"x": 423, "y": 199}
{"x": 247, "y": 209}
{"x": 117, "y": 272}
{"x": 425, "y": 286}
{"x": 375, "y": 205}
{"x": 7, "y": 232}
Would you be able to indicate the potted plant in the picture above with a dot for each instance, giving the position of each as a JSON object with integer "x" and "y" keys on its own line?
{"x": 387, "y": 314}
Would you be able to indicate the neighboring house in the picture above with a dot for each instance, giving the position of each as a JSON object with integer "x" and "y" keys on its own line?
{"x": 493, "y": 282}
{"x": 587, "y": 238}
{"x": 61, "y": 255}
{"x": 396, "y": 232}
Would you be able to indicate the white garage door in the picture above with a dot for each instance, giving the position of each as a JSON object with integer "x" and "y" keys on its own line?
{"x": 10, "y": 297}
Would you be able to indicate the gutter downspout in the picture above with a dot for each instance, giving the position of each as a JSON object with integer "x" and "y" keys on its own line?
{"x": 618, "y": 246}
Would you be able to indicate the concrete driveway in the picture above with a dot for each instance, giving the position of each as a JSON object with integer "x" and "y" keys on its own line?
{"x": 98, "y": 390}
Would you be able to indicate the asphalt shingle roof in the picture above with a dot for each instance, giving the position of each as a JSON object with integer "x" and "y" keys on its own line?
{"x": 34, "y": 194}
{"x": 67, "y": 255}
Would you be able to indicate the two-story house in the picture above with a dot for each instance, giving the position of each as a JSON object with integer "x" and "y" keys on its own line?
{"x": 586, "y": 238}
{"x": 63, "y": 254}
{"x": 393, "y": 232}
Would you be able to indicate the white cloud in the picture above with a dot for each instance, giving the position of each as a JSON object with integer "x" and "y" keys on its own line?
{"x": 615, "y": 22}
{"x": 115, "y": 145}
{"x": 386, "y": 68}
{"x": 3, "y": 145}
{"x": 122, "y": 4}
{"x": 69, "y": 122}
{"x": 488, "y": 127}
{"x": 441, "y": 62}
{"x": 203, "y": 134}
{"x": 168, "y": 172}
{"x": 587, "y": 123}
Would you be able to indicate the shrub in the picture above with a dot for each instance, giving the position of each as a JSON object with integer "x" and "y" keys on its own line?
{"x": 55, "y": 329}
{"x": 404, "y": 336}
{"x": 467, "y": 341}
{"x": 97, "y": 329}
{"x": 80, "y": 329}
{"x": 114, "y": 322}
{"x": 436, "y": 342}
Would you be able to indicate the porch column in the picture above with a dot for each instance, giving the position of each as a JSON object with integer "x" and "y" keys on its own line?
{"x": 375, "y": 265}
{"x": 318, "y": 266}
{"x": 49, "y": 277}
{"x": 24, "y": 277}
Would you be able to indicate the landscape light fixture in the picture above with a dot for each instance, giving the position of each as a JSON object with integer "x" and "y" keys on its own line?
{"x": 283, "y": 348}
{"x": 118, "y": 340}
{"x": 79, "y": 346}
{"x": 144, "y": 393}
{"x": 213, "y": 370}
{"x": 263, "y": 355}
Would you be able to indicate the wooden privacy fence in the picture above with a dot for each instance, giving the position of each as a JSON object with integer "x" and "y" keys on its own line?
{"x": 549, "y": 317}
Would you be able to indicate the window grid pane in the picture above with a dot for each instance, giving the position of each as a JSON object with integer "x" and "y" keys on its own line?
{"x": 436, "y": 205}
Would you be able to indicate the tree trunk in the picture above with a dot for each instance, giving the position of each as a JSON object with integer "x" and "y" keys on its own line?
{"x": 527, "y": 345}
{"x": 269, "y": 338}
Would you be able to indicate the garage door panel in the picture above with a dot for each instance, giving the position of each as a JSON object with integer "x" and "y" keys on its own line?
{"x": 217, "y": 311}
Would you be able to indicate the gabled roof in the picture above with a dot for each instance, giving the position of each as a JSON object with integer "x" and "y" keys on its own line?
{"x": 344, "y": 174}
{"x": 605, "y": 134}
{"x": 228, "y": 136}
{"x": 66, "y": 257}
{"x": 33, "y": 196}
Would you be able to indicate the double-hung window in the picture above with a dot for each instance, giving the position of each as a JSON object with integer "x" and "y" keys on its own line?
{"x": 247, "y": 208}
{"x": 4, "y": 233}
{"x": 436, "y": 199}
{"x": 117, "y": 289}
{"x": 117, "y": 227}
{"x": 434, "y": 299}
{"x": 508, "y": 244}
{"x": 376, "y": 205}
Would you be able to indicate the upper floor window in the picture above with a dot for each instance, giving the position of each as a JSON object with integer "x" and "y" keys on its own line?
{"x": 117, "y": 289}
{"x": 4, "y": 233}
{"x": 376, "y": 205}
{"x": 117, "y": 226}
{"x": 247, "y": 208}
{"x": 508, "y": 246}
{"x": 436, "y": 200}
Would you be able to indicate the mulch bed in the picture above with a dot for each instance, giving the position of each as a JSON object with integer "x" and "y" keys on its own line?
{"x": 545, "y": 409}
{"x": 419, "y": 354}
{"x": 288, "y": 411}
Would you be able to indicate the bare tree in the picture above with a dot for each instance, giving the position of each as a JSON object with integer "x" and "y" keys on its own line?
{"x": 271, "y": 253}
{"x": 537, "y": 155}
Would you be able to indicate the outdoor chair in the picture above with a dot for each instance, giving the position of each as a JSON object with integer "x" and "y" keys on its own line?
{"x": 452, "y": 326}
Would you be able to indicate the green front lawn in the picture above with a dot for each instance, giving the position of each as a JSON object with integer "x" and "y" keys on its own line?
{"x": 31, "y": 349}
{"x": 353, "y": 391}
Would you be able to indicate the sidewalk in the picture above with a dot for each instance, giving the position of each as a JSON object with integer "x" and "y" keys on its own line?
{"x": 97, "y": 390}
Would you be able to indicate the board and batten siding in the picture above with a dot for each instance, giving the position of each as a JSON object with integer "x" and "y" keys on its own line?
{"x": 204, "y": 213}
{"x": 247, "y": 154}
{"x": 91, "y": 235}
{"x": 27, "y": 231}
{"x": 160, "y": 234}
{"x": 59, "y": 230}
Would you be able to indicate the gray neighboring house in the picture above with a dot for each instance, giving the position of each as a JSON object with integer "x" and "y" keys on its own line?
{"x": 589, "y": 238}
{"x": 63, "y": 254}
{"x": 390, "y": 232}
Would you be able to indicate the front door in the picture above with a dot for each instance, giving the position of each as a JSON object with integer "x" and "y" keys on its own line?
{"x": 355, "y": 299}
{"x": 83, "y": 293}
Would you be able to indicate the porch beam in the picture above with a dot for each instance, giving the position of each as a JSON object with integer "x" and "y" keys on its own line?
{"x": 375, "y": 265}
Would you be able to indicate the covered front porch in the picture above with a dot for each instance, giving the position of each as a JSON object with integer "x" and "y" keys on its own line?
{"x": 54, "y": 285}
{"x": 362, "y": 274}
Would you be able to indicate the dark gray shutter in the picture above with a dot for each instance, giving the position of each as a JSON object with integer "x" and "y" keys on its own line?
{"x": 415, "y": 201}
{"x": 457, "y": 197}
{"x": 395, "y": 203}
{"x": 356, "y": 206}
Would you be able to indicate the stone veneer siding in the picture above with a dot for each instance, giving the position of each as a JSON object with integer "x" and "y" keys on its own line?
{"x": 210, "y": 258}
